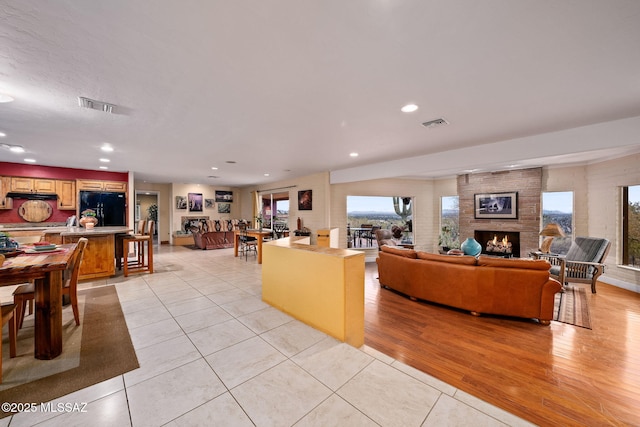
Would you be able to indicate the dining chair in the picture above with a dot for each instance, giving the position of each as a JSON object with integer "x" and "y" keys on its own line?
{"x": 8, "y": 316}
{"x": 247, "y": 243}
{"x": 26, "y": 293}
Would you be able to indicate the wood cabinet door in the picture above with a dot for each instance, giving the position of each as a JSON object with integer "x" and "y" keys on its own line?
{"x": 5, "y": 187}
{"x": 115, "y": 186}
{"x": 21, "y": 184}
{"x": 84, "y": 184}
{"x": 66, "y": 191}
{"x": 44, "y": 185}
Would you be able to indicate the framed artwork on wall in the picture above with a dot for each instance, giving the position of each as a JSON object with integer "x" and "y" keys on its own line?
{"x": 305, "y": 200}
{"x": 224, "y": 208}
{"x": 224, "y": 196}
{"x": 208, "y": 203}
{"x": 181, "y": 202}
{"x": 195, "y": 202}
{"x": 496, "y": 205}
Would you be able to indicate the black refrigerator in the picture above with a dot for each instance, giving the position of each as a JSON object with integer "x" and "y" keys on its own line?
{"x": 110, "y": 208}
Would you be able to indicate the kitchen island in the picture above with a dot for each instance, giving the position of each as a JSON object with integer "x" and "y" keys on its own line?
{"x": 99, "y": 256}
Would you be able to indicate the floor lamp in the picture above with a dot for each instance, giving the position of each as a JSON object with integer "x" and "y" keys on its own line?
{"x": 550, "y": 231}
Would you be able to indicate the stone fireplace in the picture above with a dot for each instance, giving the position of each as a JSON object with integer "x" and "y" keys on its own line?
{"x": 525, "y": 228}
{"x": 499, "y": 243}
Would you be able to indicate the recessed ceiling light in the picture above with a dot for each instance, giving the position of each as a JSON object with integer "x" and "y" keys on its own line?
{"x": 30, "y": 160}
{"x": 409, "y": 108}
{"x": 213, "y": 176}
{"x": 214, "y": 168}
{"x": 103, "y": 160}
{"x": 266, "y": 174}
{"x": 353, "y": 154}
{"x": 17, "y": 148}
{"x": 230, "y": 161}
{"x": 5, "y": 98}
{"x": 13, "y": 148}
{"x": 107, "y": 148}
{"x": 103, "y": 167}
{"x": 2, "y": 134}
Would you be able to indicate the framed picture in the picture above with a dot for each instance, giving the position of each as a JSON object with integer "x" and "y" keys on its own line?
{"x": 224, "y": 208}
{"x": 208, "y": 203}
{"x": 305, "y": 200}
{"x": 181, "y": 202}
{"x": 496, "y": 205}
{"x": 195, "y": 202}
{"x": 224, "y": 196}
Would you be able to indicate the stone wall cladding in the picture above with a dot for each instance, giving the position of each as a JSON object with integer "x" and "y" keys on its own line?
{"x": 526, "y": 182}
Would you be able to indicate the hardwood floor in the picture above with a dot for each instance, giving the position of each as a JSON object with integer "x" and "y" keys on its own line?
{"x": 550, "y": 375}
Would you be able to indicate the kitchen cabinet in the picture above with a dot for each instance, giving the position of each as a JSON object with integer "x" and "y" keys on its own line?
{"x": 94, "y": 185}
{"x": 67, "y": 196}
{"x": 5, "y": 187}
{"x": 33, "y": 185}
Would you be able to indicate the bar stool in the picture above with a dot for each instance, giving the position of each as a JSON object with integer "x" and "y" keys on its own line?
{"x": 141, "y": 263}
{"x": 119, "y": 252}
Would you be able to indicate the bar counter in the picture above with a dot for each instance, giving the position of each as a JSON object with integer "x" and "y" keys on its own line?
{"x": 99, "y": 256}
{"x": 323, "y": 287}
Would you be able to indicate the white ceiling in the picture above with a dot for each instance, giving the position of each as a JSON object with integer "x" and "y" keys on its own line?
{"x": 292, "y": 87}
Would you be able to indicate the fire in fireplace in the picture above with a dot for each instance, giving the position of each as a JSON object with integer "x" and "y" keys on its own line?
{"x": 499, "y": 243}
{"x": 503, "y": 246}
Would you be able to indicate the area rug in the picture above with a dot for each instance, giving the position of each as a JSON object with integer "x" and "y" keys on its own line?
{"x": 96, "y": 351}
{"x": 571, "y": 307}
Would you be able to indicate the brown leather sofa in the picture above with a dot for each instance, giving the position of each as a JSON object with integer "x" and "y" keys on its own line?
{"x": 206, "y": 237}
{"x": 509, "y": 287}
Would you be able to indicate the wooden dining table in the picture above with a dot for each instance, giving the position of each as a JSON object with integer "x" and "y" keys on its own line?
{"x": 258, "y": 234}
{"x": 47, "y": 271}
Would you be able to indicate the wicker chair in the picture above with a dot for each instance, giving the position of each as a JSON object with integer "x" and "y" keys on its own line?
{"x": 583, "y": 263}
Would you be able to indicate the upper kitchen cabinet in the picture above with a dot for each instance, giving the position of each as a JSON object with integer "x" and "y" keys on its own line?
{"x": 94, "y": 185}
{"x": 33, "y": 185}
{"x": 5, "y": 187}
{"x": 66, "y": 191}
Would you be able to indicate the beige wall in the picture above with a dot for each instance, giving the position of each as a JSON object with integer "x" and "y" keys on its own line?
{"x": 208, "y": 192}
{"x": 424, "y": 205}
{"x": 164, "y": 200}
{"x": 604, "y": 182}
{"x": 314, "y": 219}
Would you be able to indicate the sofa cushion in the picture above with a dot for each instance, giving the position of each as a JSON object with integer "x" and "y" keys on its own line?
{"x": 532, "y": 264}
{"x": 407, "y": 253}
{"x": 464, "y": 259}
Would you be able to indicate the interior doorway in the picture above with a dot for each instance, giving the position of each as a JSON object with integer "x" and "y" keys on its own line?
{"x": 146, "y": 208}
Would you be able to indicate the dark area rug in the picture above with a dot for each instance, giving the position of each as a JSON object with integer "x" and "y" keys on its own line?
{"x": 105, "y": 351}
{"x": 571, "y": 307}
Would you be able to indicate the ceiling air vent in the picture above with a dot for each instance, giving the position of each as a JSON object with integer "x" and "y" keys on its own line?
{"x": 95, "y": 105}
{"x": 434, "y": 123}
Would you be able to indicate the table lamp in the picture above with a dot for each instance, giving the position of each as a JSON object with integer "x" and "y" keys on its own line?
{"x": 550, "y": 231}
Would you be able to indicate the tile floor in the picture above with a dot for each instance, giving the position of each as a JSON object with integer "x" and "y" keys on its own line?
{"x": 212, "y": 353}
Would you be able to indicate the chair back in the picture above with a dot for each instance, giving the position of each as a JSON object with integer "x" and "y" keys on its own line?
{"x": 278, "y": 229}
{"x": 75, "y": 263}
{"x": 141, "y": 226}
{"x": 151, "y": 228}
{"x": 588, "y": 249}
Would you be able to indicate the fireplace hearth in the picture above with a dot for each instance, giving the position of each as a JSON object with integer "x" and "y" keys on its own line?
{"x": 499, "y": 243}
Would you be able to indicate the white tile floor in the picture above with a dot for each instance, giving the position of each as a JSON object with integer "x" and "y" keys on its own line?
{"x": 212, "y": 353}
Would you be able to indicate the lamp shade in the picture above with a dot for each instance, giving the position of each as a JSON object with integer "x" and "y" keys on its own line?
{"x": 552, "y": 230}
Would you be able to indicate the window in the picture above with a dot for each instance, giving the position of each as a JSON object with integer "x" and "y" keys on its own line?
{"x": 631, "y": 226}
{"x": 557, "y": 207}
{"x": 449, "y": 222}
{"x": 382, "y": 212}
{"x": 275, "y": 207}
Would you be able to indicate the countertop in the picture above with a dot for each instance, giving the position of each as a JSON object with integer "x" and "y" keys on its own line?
{"x": 80, "y": 231}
